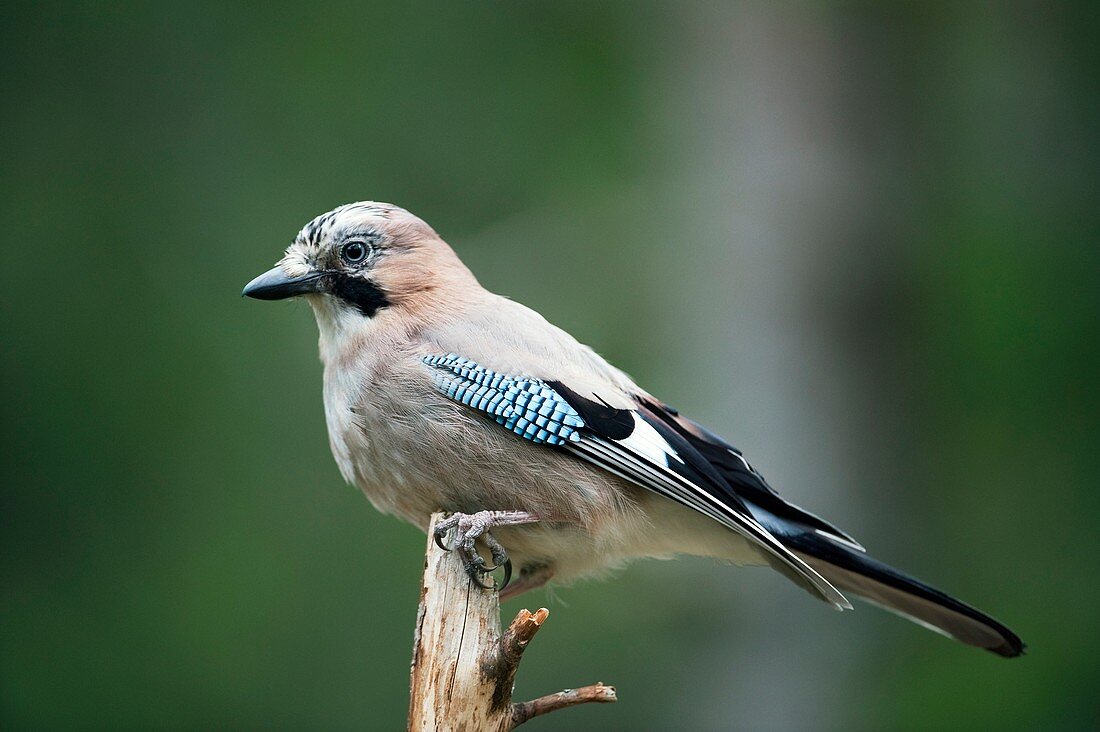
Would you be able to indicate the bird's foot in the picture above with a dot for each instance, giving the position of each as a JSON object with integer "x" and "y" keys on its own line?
{"x": 469, "y": 527}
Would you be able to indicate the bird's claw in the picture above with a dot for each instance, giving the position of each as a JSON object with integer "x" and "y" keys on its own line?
{"x": 471, "y": 527}
{"x": 475, "y": 568}
{"x": 475, "y": 565}
{"x": 500, "y": 558}
{"x": 443, "y": 527}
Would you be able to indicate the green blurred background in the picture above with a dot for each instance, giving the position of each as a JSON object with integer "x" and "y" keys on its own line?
{"x": 860, "y": 240}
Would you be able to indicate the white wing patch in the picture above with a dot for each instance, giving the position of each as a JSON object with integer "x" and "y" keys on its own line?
{"x": 648, "y": 443}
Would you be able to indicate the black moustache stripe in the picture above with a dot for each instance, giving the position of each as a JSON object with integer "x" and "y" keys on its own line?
{"x": 359, "y": 292}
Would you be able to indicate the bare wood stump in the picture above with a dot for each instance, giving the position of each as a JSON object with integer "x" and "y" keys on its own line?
{"x": 463, "y": 666}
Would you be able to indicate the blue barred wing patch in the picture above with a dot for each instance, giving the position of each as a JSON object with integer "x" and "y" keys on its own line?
{"x": 527, "y": 407}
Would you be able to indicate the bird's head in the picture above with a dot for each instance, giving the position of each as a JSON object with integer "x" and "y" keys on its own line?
{"x": 361, "y": 259}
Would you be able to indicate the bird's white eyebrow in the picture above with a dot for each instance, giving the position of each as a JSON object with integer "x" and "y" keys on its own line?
{"x": 368, "y": 233}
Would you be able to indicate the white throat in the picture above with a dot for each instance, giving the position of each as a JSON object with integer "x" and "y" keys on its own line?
{"x": 340, "y": 328}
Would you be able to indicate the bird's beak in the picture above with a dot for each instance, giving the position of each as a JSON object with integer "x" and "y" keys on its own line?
{"x": 277, "y": 285}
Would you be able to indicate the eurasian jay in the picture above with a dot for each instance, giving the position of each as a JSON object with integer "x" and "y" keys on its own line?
{"x": 440, "y": 395}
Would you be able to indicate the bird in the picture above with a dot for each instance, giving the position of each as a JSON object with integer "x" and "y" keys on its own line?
{"x": 441, "y": 396}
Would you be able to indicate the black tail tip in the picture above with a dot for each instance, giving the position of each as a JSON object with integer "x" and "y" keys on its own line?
{"x": 1012, "y": 647}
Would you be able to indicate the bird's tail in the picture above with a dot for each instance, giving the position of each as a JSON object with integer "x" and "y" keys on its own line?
{"x": 899, "y": 593}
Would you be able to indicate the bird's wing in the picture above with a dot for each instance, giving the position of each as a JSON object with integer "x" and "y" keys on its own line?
{"x": 633, "y": 442}
{"x": 743, "y": 480}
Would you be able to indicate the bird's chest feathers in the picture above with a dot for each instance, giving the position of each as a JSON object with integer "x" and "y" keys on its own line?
{"x": 340, "y": 396}
{"x": 370, "y": 438}
{"x": 351, "y": 351}
{"x": 375, "y": 427}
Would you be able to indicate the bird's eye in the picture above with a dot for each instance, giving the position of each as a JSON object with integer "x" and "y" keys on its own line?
{"x": 354, "y": 252}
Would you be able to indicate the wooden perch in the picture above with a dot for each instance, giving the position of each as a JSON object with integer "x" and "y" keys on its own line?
{"x": 463, "y": 667}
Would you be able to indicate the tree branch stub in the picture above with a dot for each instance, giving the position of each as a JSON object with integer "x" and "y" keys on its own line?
{"x": 463, "y": 667}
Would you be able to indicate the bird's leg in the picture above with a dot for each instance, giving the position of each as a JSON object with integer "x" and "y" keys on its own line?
{"x": 531, "y": 576}
{"x": 469, "y": 527}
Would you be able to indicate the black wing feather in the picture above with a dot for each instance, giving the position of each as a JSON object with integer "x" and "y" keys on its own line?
{"x": 739, "y": 477}
{"x": 686, "y": 477}
{"x": 604, "y": 420}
